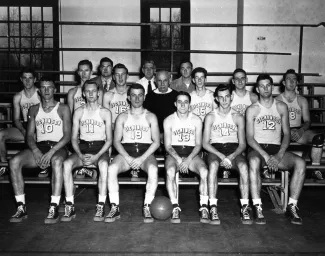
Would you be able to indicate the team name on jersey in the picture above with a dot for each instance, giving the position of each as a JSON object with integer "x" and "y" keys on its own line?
{"x": 268, "y": 118}
{"x": 241, "y": 108}
{"x": 293, "y": 112}
{"x": 184, "y": 131}
{"x": 26, "y": 106}
{"x": 132, "y": 128}
{"x": 45, "y": 121}
{"x": 224, "y": 126}
{"x": 92, "y": 122}
{"x": 201, "y": 105}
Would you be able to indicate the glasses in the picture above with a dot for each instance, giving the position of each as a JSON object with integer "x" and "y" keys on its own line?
{"x": 240, "y": 79}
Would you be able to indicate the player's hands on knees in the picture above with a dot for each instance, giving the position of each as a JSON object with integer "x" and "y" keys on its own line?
{"x": 136, "y": 163}
{"x": 38, "y": 156}
{"x": 226, "y": 162}
{"x": 89, "y": 159}
{"x": 273, "y": 163}
{"x": 46, "y": 159}
{"x": 183, "y": 167}
{"x": 296, "y": 134}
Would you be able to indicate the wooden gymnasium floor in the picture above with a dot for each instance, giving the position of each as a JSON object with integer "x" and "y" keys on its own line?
{"x": 130, "y": 236}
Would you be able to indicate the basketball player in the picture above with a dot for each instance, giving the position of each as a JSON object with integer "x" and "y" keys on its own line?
{"x": 300, "y": 131}
{"x": 93, "y": 122}
{"x": 184, "y": 83}
{"x": 224, "y": 139}
{"x": 202, "y": 100}
{"x": 183, "y": 142}
{"x": 136, "y": 138}
{"x": 22, "y": 101}
{"x": 52, "y": 122}
{"x": 266, "y": 120}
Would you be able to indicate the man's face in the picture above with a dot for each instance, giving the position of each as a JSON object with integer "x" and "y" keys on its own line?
{"x": 90, "y": 92}
{"x": 239, "y": 80}
{"x": 148, "y": 70}
{"x": 84, "y": 72}
{"x": 182, "y": 104}
{"x": 291, "y": 82}
{"x": 162, "y": 81}
{"x": 265, "y": 88}
{"x": 28, "y": 80}
{"x": 224, "y": 98}
{"x": 199, "y": 79}
{"x": 120, "y": 76}
{"x": 47, "y": 90}
{"x": 136, "y": 98}
{"x": 106, "y": 69}
{"x": 186, "y": 70}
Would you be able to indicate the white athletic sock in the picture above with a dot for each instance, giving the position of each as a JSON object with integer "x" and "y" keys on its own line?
{"x": 101, "y": 199}
{"x": 20, "y": 198}
{"x": 55, "y": 199}
{"x": 292, "y": 201}
{"x": 244, "y": 201}
{"x": 148, "y": 199}
{"x": 174, "y": 201}
{"x": 114, "y": 198}
{"x": 69, "y": 199}
{"x": 213, "y": 201}
{"x": 257, "y": 201}
{"x": 204, "y": 200}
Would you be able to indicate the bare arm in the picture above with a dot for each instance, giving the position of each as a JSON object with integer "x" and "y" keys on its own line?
{"x": 16, "y": 114}
{"x": 253, "y": 97}
{"x": 75, "y": 131}
{"x": 284, "y": 112}
{"x": 198, "y": 137}
{"x": 168, "y": 140}
{"x": 107, "y": 98}
{"x": 70, "y": 96}
{"x": 305, "y": 113}
{"x": 107, "y": 117}
{"x": 240, "y": 122}
{"x": 31, "y": 128}
{"x": 118, "y": 134}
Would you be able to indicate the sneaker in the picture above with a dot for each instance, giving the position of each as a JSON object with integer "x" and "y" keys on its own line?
{"x": 292, "y": 214}
{"x": 318, "y": 176}
{"x": 100, "y": 212}
{"x": 204, "y": 214}
{"x": 114, "y": 214}
{"x": 79, "y": 174}
{"x": 266, "y": 173}
{"x": 69, "y": 212}
{"x": 245, "y": 215}
{"x": 226, "y": 174}
{"x": 21, "y": 213}
{"x": 135, "y": 175}
{"x": 92, "y": 173}
{"x": 44, "y": 173}
{"x": 53, "y": 215}
{"x": 214, "y": 215}
{"x": 176, "y": 215}
{"x": 3, "y": 170}
{"x": 147, "y": 218}
{"x": 259, "y": 214}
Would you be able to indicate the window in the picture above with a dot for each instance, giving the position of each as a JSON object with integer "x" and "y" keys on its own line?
{"x": 165, "y": 36}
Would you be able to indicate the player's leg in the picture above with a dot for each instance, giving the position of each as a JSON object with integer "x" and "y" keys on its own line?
{"x": 24, "y": 159}
{"x": 12, "y": 134}
{"x": 171, "y": 169}
{"x": 198, "y": 166}
{"x": 117, "y": 166}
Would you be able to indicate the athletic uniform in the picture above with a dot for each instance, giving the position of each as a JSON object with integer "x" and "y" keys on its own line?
{"x": 268, "y": 129}
{"x": 240, "y": 104}
{"x": 118, "y": 104}
{"x": 295, "y": 113}
{"x": 78, "y": 99}
{"x": 224, "y": 133}
{"x": 92, "y": 131}
{"x": 183, "y": 135}
{"x": 202, "y": 105}
{"x": 49, "y": 128}
{"x": 136, "y": 135}
{"x": 25, "y": 103}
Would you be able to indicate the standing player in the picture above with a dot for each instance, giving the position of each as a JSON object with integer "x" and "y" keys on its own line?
{"x": 266, "y": 121}
{"x": 183, "y": 142}
{"x": 52, "y": 122}
{"x": 93, "y": 122}
{"x": 105, "y": 79}
{"x": 184, "y": 83}
{"x": 136, "y": 138}
{"x": 22, "y": 101}
{"x": 300, "y": 132}
{"x": 148, "y": 81}
{"x": 202, "y": 100}
{"x": 224, "y": 139}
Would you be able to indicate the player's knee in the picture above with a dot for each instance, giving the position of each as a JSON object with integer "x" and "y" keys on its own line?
{"x": 318, "y": 140}
{"x": 203, "y": 172}
{"x": 152, "y": 169}
{"x": 102, "y": 165}
{"x": 112, "y": 170}
{"x": 300, "y": 164}
{"x": 254, "y": 161}
{"x": 214, "y": 166}
{"x": 243, "y": 167}
{"x": 14, "y": 163}
{"x": 56, "y": 162}
{"x": 67, "y": 166}
{"x": 170, "y": 173}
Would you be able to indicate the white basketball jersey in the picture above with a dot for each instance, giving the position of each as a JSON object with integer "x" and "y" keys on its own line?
{"x": 49, "y": 126}
{"x": 26, "y": 103}
{"x": 118, "y": 104}
{"x": 202, "y": 105}
{"x": 267, "y": 125}
{"x": 78, "y": 99}
{"x": 295, "y": 113}
{"x": 183, "y": 131}
{"x": 92, "y": 126}
{"x": 223, "y": 129}
{"x": 240, "y": 104}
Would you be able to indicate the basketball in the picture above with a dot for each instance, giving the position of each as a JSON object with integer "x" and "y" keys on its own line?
{"x": 161, "y": 208}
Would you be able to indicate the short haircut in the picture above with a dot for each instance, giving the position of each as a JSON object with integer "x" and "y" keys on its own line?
{"x": 180, "y": 93}
{"x": 90, "y": 82}
{"x": 264, "y": 77}
{"x": 185, "y": 61}
{"x": 293, "y": 72}
{"x": 106, "y": 59}
{"x": 149, "y": 62}
{"x": 221, "y": 88}
{"x": 85, "y": 62}
{"x": 162, "y": 71}
{"x": 135, "y": 87}
{"x": 237, "y": 70}
{"x": 27, "y": 70}
{"x": 46, "y": 79}
{"x": 199, "y": 70}
{"x": 120, "y": 65}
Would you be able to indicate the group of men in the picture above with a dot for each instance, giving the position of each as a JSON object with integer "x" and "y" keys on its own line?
{"x": 235, "y": 128}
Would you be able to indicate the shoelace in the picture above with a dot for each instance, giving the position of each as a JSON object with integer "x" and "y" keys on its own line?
{"x": 51, "y": 211}
{"x": 293, "y": 210}
{"x": 259, "y": 211}
{"x": 113, "y": 211}
{"x": 146, "y": 211}
{"x": 67, "y": 210}
{"x": 204, "y": 211}
{"x": 176, "y": 211}
{"x": 99, "y": 210}
{"x": 20, "y": 210}
{"x": 214, "y": 214}
{"x": 318, "y": 174}
{"x": 246, "y": 212}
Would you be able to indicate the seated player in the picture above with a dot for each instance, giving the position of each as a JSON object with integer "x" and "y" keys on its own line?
{"x": 183, "y": 142}
{"x": 136, "y": 138}
{"x": 266, "y": 121}
{"x": 298, "y": 111}
{"x": 22, "y": 101}
{"x": 93, "y": 123}
{"x": 224, "y": 139}
{"x": 52, "y": 122}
